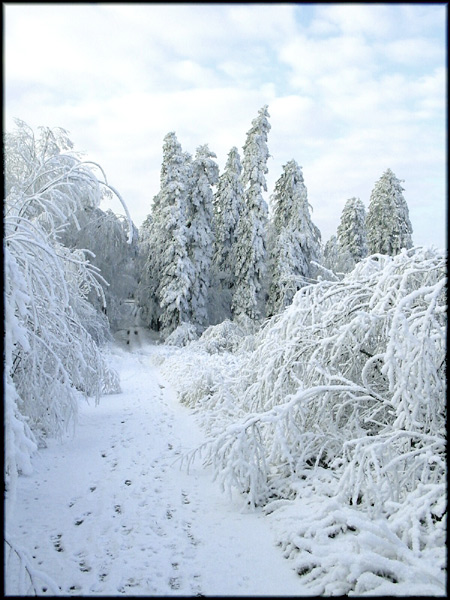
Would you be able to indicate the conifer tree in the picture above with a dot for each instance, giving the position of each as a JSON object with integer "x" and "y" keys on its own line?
{"x": 168, "y": 254}
{"x": 344, "y": 250}
{"x": 250, "y": 251}
{"x": 351, "y": 231}
{"x": 228, "y": 205}
{"x": 148, "y": 271}
{"x": 388, "y": 226}
{"x": 200, "y": 238}
{"x": 295, "y": 240}
{"x": 331, "y": 258}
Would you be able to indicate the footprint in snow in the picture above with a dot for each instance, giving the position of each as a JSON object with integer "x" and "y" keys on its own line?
{"x": 56, "y": 539}
{"x": 174, "y": 583}
{"x": 84, "y": 567}
{"x": 81, "y": 519}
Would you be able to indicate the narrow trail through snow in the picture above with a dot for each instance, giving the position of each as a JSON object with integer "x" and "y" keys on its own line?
{"x": 110, "y": 512}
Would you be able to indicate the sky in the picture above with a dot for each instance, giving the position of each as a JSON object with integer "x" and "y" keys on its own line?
{"x": 352, "y": 90}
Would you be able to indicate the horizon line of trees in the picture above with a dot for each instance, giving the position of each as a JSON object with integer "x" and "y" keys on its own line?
{"x": 206, "y": 256}
{"x": 208, "y": 251}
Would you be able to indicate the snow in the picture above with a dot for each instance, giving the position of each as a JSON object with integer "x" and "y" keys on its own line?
{"x": 110, "y": 510}
{"x": 325, "y": 424}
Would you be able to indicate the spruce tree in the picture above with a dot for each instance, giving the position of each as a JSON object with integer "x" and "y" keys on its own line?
{"x": 228, "y": 207}
{"x": 331, "y": 257}
{"x": 171, "y": 263}
{"x": 250, "y": 251}
{"x": 200, "y": 236}
{"x": 148, "y": 270}
{"x": 295, "y": 240}
{"x": 351, "y": 239}
{"x": 352, "y": 229}
{"x": 388, "y": 226}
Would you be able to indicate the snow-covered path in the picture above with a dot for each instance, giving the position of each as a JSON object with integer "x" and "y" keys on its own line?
{"x": 110, "y": 512}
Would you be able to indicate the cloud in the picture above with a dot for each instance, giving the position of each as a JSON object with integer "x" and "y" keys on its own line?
{"x": 129, "y": 129}
{"x": 352, "y": 90}
{"x": 413, "y": 51}
{"x": 193, "y": 74}
{"x": 374, "y": 21}
{"x": 270, "y": 23}
{"x": 423, "y": 19}
{"x": 311, "y": 58}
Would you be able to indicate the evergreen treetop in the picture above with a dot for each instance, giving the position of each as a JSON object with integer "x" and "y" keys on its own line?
{"x": 388, "y": 226}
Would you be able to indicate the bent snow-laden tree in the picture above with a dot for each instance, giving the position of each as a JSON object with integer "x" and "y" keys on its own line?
{"x": 360, "y": 359}
{"x": 295, "y": 240}
{"x": 105, "y": 235}
{"x": 339, "y": 411}
{"x": 250, "y": 251}
{"x": 50, "y": 357}
{"x": 388, "y": 226}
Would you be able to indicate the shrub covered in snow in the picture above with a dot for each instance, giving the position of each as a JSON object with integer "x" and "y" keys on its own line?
{"x": 349, "y": 381}
{"x": 349, "y": 367}
{"x": 225, "y": 336}
{"x": 341, "y": 550}
{"x": 182, "y": 335}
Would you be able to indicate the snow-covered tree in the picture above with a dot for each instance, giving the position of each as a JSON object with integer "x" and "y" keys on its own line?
{"x": 330, "y": 259}
{"x": 147, "y": 270}
{"x": 344, "y": 251}
{"x": 351, "y": 231}
{"x": 204, "y": 173}
{"x": 295, "y": 240}
{"x": 105, "y": 235}
{"x": 339, "y": 414}
{"x": 387, "y": 224}
{"x": 228, "y": 204}
{"x": 43, "y": 167}
{"x": 250, "y": 251}
{"x": 169, "y": 242}
{"x": 372, "y": 350}
{"x": 50, "y": 356}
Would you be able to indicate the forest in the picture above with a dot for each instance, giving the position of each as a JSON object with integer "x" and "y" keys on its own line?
{"x": 317, "y": 369}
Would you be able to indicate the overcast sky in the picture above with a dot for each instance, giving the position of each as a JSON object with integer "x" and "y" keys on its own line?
{"x": 352, "y": 89}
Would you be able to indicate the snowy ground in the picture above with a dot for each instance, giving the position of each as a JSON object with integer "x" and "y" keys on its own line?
{"x": 109, "y": 512}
